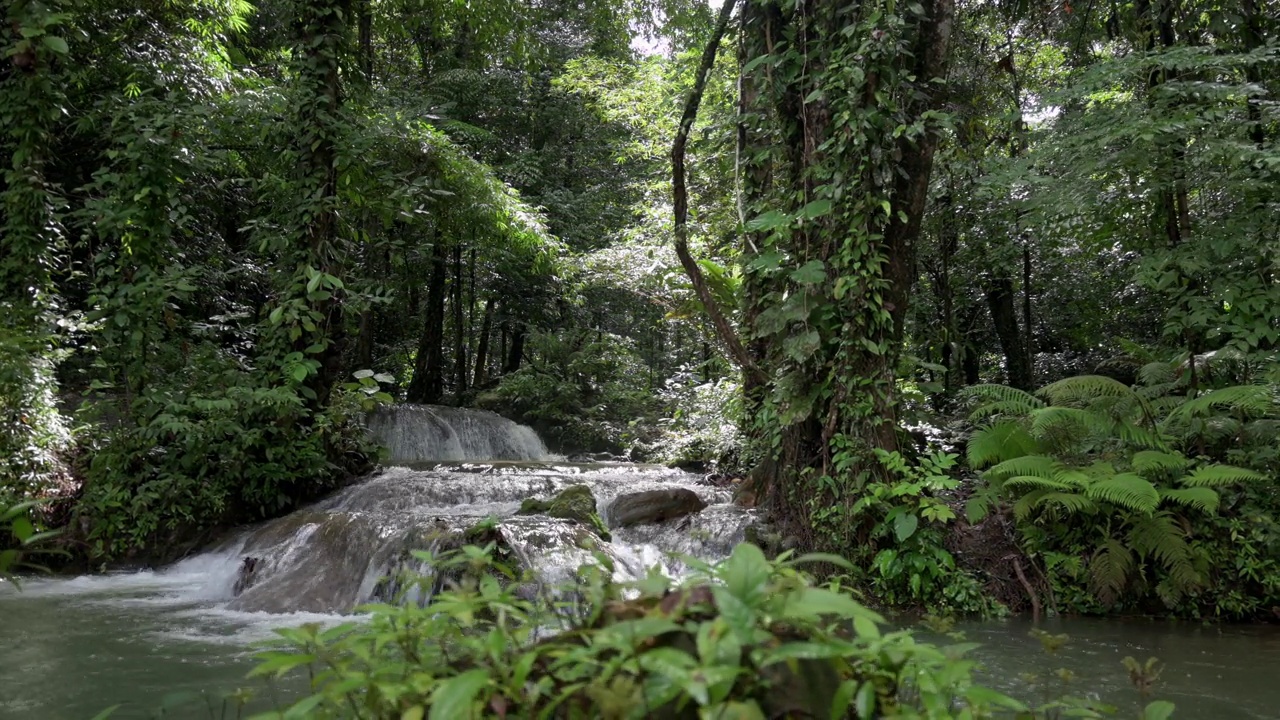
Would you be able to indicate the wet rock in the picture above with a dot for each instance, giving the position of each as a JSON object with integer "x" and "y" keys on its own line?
{"x": 574, "y": 503}
{"x": 246, "y": 575}
{"x": 653, "y": 506}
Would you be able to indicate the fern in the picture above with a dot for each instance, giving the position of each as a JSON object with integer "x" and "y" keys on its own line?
{"x": 999, "y": 441}
{"x": 1200, "y": 498}
{"x": 1127, "y": 490}
{"x": 1160, "y": 537}
{"x": 992, "y": 393}
{"x": 1109, "y": 571}
{"x": 1220, "y": 475}
{"x": 1034, "y": 482}
{"x": 1037, "y": 465}
{"x": 1073, "y": 503}
{"x": 1158, "y": 373}
{"x": 1252, "y": 400}
{"x": 1065, "y": 422}
{"x": 1083, "y": 389}
{"x": 1156, "y": 462}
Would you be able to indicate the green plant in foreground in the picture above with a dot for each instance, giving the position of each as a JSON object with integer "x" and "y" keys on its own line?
{"x": 747, "y": 638}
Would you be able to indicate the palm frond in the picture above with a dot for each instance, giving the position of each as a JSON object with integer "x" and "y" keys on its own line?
{"x": 1220, "y": 475}
{"x": 999, "y": 441}
{"x": 1109, "y": 571}
{"x": 1127, "y": 490}
{"x": 1200, "y": 498}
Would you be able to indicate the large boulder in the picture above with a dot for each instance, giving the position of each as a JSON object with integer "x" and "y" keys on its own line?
{"x": 653, "y": 506}
{"x": 574, "y": 503}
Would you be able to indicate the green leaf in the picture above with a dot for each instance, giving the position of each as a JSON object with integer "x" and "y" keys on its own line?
{"x": 771, "y": 220}
{"x": 454, "y": 697}
{"x": 811, "y": 273}
{"x": 816, "y": 209}
{"x": 56, "y": 44}
{"x": 362, "y": 374}
{"x": 1158, "y": 710}
{"x": 814, "y": 603}
{"x": 904, "y": 526}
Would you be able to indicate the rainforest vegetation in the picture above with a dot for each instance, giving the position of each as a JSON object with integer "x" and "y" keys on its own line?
{"x": 983, "y": 295}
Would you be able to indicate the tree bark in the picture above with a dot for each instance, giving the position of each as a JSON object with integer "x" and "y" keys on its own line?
{"x": 482, "y": 349}
{"x": 459, "y": 330}
{"x": 1004, "y": 316}
{"x": 516, "y": 355}
{"x": 830, "y": 259}
{"x": 427, "y": 385}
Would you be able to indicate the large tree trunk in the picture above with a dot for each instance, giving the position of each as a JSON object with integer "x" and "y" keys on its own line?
{"x": 837, "y": 201}
{"x": 1004, "y": 316}
{"x": 320, "y": 28}
{"x": 427, "y": 385}
{"x": 516, "y": 354}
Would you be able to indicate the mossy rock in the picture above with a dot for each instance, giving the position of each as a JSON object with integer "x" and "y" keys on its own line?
{"x": 574, "y": 503}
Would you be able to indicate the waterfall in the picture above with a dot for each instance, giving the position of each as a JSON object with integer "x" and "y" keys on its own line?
{"x": 344, "y": 551}
{"x": 416, "y": 434}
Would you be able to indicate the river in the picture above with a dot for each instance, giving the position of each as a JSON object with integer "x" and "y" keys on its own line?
{"x": 178, "y": 642}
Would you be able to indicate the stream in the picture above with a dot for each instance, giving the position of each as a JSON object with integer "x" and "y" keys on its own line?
{"x": 176, "y": 642}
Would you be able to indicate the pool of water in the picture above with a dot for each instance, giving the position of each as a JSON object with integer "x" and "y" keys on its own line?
{"x": 157, "y": 645}
{"x": 71, "y": 648}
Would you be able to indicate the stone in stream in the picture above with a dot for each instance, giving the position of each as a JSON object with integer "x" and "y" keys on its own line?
{"x": 574, "y": 503}
{"x": 653, "y": 506}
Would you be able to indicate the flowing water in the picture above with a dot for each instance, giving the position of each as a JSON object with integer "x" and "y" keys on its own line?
{"x": 181, "y": 638}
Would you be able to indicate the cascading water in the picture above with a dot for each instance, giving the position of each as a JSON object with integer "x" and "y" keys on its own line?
{"x": 429, "y": 433}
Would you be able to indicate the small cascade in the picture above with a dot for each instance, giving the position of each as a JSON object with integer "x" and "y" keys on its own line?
{"x": 416, "y": 434}
{"x": 356, "y": 546}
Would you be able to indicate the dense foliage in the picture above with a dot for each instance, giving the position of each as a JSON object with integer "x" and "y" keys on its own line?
{"x": 807, "y": 246}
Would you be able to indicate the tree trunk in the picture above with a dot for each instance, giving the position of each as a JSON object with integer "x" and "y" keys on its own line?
{"x": 516, "y": 356}
{"x": 459, "y": 330}
{"x": 321, "y": 28}
{"x": 1001, "y": 300}
{"x": 482, "y": 349}
{"x": 829, "y": 257}
{"x": 427, "y": 385}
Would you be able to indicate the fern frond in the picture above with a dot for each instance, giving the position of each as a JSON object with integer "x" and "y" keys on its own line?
{"x": 1200, "y": 498}
{"x": 999, "y": 441}
{"x": 1037, "y": 483}
{"x": 1253, "y": 400}
{"x": 1154, "y": 462}
{"x": 991, "y": 393}
{"x": 1158, "y": 373}
{"x": 1073, "y": 503}
{"x": 1127, "y": 490}
{"x": 1220, "y": 475}
{"x": 1161, "y": 538}
{"x": 1109, "y": 571}
{"x": 1084, "y": 389}
{"x": 1035, "y": 465}
{"x": 1066, "y": 421}
{"x": 1134, "y": 351}
{"x": 1001, "y": 407}
{"x": 979, "y": 505}
{"x": 1138, "y": 436}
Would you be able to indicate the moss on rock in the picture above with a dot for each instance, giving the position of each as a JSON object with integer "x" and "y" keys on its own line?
{"x": 574, "y": 503}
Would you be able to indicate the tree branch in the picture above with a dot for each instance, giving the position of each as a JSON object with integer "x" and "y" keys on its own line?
{"x": 728, "y": 336}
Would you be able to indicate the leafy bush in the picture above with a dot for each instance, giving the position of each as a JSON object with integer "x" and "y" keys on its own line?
{"x": 745, "y": 639}
{"x": 705, "y": 422}
{"x": 236, "y": 451}
{"x": 34, "y": 436}
{"x": 1121, "y": 488}
{"x": 582, "y": 394}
